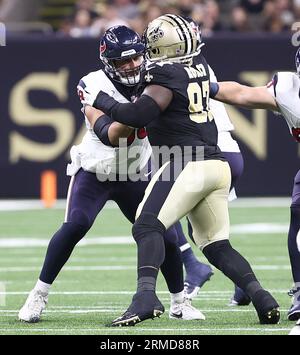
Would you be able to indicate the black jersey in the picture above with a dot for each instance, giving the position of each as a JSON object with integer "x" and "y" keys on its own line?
{"x": 187, "y": 121}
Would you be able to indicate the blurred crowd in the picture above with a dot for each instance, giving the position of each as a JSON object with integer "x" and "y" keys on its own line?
{"x": 90, "y": 18}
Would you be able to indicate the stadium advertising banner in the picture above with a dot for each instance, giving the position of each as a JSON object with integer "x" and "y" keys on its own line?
{"x": 41, "y": 118}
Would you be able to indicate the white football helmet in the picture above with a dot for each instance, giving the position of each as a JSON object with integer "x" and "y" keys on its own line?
{"x": 171, "y": 38}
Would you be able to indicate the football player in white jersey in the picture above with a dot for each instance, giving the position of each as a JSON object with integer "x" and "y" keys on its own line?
{"x": 285, "y": 88}
{"x": 101, "y": 170}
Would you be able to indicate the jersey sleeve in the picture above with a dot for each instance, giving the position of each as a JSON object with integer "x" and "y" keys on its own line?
{"x": 84, "y": 94}
{"x": 286, "y": 87}
{"x": 271, "y": 86}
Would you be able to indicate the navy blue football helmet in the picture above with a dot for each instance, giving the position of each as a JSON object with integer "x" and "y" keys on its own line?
{"x": 118, "y": 44}
{"x": 298, "y": 61}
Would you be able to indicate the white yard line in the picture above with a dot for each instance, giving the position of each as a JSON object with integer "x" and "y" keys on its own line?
{"x": 141, "y": 330}
{"x": 120, "y": 268}
{"x": 202, "y": 293}
{"x": 72, "y": 268}
{"x": 252, "y": 202}
{"x": 237, "y": 229}
{"x": 23, "y": 205}
{"x": 121, "y": 309}
{"x": 24, "y": 242}
{"x": 38, "y": 260}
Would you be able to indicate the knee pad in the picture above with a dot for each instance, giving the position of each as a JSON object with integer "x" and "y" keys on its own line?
{"x": 147, "y": 223}
{"x": 78, "y": 216}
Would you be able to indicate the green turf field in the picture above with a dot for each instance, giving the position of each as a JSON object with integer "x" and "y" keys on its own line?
{"x": 98, "y": 282}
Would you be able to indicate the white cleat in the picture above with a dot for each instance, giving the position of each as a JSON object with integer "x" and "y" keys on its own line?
{"x": 185, "y": 311}
{"x": 35, "y": 304}
{"x": 296, "y": 329}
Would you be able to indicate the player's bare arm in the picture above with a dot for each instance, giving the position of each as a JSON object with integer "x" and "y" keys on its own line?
{"x": 92, "y": 114}
{"x": 154, "y": 100}
{"x": 161, "y": 95}
{"x": 233, "y": 93}
{"x": 115, "y": 130}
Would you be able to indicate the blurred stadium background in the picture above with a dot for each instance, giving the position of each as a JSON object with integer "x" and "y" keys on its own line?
{"x": 50, "y": 45}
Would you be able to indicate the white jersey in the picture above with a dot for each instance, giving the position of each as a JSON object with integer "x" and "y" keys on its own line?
{"x": 285, "y": 88}
{"x": 94, "y": 156}
{"x": 224, "y": 125}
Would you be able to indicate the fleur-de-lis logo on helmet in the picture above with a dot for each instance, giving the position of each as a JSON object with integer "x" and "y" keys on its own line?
{"x": 156, "y": 33}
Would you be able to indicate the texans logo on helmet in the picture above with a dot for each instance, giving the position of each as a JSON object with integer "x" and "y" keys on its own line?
{"x": 102, "y": 47}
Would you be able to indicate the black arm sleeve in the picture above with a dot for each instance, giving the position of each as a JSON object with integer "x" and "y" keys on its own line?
{"x": 101, "y": 128}
{"x": 213, "y": 90}
{"x": 137, "y": 114}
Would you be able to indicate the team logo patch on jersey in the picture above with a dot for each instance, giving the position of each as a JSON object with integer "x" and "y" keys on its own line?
{"x": 148, "y": 77}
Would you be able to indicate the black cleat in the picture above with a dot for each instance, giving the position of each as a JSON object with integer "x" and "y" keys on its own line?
{"x": 266, "y": 307}
{"x": 271, "y": 317}
{"x": 144, "y": 305}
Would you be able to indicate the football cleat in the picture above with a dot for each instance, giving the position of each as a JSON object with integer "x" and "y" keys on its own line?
{"x": 35, "y": 304}
{"x": 144, "y": 305}
{"x": 185, "y": 311}
{"x": 239, "y": 298}
{"x": 294, "y": 311}
{"x": 266, "y": 307}
{"x": 196, "y": 279}
{"x": 296, "y": 329}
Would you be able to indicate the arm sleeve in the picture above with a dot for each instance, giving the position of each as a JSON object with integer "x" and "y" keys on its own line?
{"x": 213, "y": 90}
{"x": 101, "y": 128}
{"x": 137, "y": 114}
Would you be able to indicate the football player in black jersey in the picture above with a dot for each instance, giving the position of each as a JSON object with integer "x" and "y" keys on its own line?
{"x": 174, "y": 106}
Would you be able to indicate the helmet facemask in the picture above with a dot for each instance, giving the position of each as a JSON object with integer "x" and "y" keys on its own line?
{"x": 128, "y": 77}
{"x": 131, "y": 76}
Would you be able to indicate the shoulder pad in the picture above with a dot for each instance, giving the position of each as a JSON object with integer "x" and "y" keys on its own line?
{"x": 163, "y": 74}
